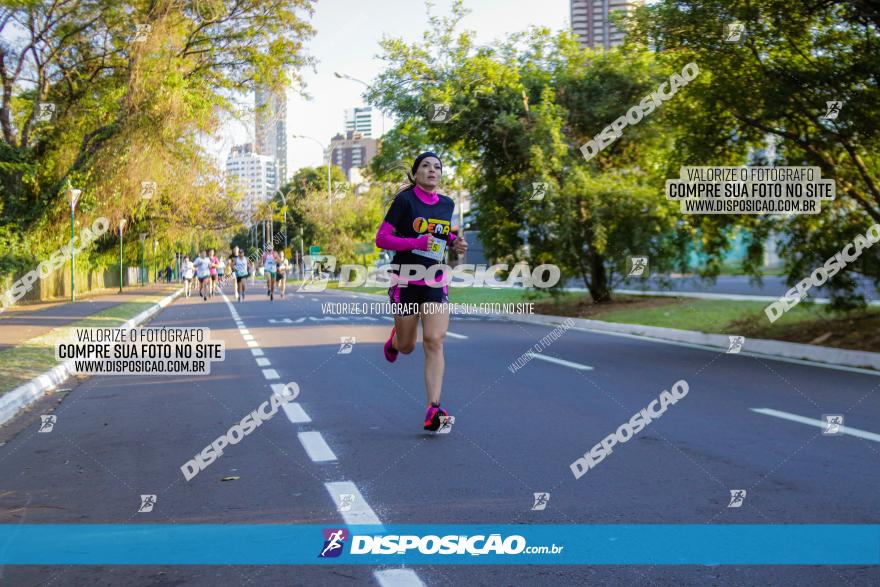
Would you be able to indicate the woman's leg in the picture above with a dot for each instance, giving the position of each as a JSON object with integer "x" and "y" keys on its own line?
{"x": 435, "y": 323}
{"x": 406, "y": 333}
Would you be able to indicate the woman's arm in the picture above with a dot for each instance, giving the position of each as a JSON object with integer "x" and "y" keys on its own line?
{"x": 385, "y": 239}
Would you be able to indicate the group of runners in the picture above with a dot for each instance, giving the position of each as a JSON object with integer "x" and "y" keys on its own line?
{"x": 213, "y": 272}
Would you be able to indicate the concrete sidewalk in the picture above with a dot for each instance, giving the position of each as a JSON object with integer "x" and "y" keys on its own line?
{"x": 29, "y": 361}
{"x": 21, "y": 323}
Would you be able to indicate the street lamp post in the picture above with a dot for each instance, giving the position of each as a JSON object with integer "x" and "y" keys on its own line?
{"x": 72, "y": 198}
{"x": 121, "y": 226}
{"x": 143, "y": 269}
{"x": 329, "y": 152}
{"x": 302, "y": 250}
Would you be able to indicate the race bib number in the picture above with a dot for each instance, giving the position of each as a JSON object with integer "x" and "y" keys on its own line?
{"x": 438, "y": 247}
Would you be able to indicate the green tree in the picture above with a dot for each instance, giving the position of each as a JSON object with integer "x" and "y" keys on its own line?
{"x": 518, "y": 113}
{"x": 135, "y": 86}
{"x": 792, "y": 59}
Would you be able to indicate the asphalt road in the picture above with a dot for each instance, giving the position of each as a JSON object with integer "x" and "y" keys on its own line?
{"x": 118, "y": 437}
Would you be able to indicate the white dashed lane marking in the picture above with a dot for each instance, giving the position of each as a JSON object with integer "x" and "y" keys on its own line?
{"x": 360, "y": 512}
{"x": 818, "y": 423}
{"x": 562, "y": 362}
{"x": 316, "y": 447}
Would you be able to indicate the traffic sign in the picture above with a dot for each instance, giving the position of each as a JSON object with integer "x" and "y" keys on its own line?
{"x": 314, "y": 250}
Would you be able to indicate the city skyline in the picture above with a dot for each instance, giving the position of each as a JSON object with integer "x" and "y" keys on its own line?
{"x": 347, "y": 40}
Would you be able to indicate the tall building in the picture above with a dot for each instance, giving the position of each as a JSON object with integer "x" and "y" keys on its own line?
{"x": 255, "y": 175}
{"x": 271, "y": 128}
{"x": 352, "y": 150}
{"x": 360, "y": 120}
{"x": 590, "y": 22}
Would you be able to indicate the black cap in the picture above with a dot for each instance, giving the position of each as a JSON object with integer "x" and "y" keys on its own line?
{"x": 422, "y": 157}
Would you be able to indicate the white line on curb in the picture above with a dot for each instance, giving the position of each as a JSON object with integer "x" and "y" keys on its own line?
{"x": 360, "y": 512}
{"x": 818, "y": 423}
{"x": 316, "y": 447}
{"x": 562, "y": 362}
{"x": 454, "y": 335}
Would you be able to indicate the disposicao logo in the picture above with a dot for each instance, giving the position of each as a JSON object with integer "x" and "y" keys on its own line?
{"x": 334, "y": 541}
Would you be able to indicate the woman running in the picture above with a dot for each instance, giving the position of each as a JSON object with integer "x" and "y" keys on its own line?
{"x": 240, "y": 266}
{"x": 270, "y": 265}
{"x": 417, "y": 228}
{"x": 187, "y": 270}
{"x": 203, "y": 272}
{"x": 214, "y": 264}
{"x": 281, "y": 274}
{"x": 227, "y": 270}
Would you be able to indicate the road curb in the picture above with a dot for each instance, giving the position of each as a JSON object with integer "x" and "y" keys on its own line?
{"x": 20, "y": 398}
{"x": 752, "y": 346}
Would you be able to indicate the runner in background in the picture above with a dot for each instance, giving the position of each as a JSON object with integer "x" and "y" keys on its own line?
{"x": 242, "y": 267}
{"x": 221, "y": 273}
{"x": 203, "y": 272}
{"x": 187, "y": 270}
{"x": 214, "y": 263}
{"x": 270, "y": 266}
{"x": 281, "y": 275}
{"x": 227, "y": 276}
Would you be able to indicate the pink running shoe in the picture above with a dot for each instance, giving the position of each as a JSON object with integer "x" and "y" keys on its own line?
{"x": 391, "y": 352}
{"x": 433, "y": 417}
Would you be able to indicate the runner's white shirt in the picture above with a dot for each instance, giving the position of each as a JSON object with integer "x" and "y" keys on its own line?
{"x": 188, "y": 269}
{"x": 269, "y": 262}
{"x": 203, "y": 267}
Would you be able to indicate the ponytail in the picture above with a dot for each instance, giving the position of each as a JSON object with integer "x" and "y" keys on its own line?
{"x": 410, "y": 184}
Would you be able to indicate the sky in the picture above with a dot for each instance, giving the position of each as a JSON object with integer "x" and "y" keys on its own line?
{"x": 347, "y": 41}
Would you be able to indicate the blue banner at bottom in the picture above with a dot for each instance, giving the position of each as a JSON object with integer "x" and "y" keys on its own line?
{"x": 270, "y": 544}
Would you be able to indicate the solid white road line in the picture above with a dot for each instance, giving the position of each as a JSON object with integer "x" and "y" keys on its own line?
{"x": 818, "y": 423}
{"x": 270, "y": 374}
{"x": 562, "y": 362}
{"x": 299, "y": 320}
{"x": 716, "y": 349}
{"x": 397, "y": 578}
{"x": 263, "y": 362}
{"x": 454, "y": 335}
{"x": 360, "y": 512}
{"x": 316, "y": 447}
